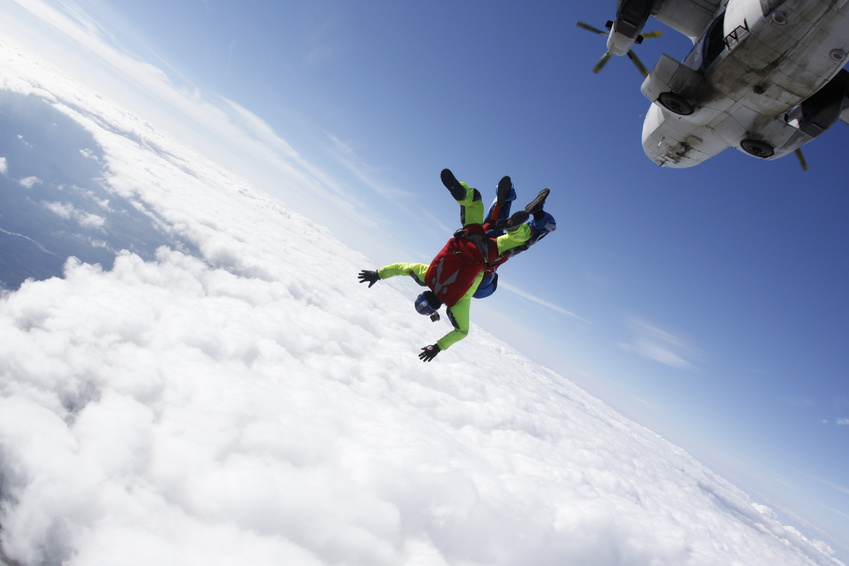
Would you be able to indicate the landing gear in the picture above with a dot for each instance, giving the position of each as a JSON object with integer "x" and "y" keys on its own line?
{"x": 757, "y": 148}
{"x": 675, "y": 103}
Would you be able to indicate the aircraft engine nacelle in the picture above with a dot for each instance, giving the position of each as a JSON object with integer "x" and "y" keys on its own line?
{"x": 812, "y": 117}
{"x": 822, "y": 110}
{"x": 673, "y": 85}
{"x": 625, "y": 30}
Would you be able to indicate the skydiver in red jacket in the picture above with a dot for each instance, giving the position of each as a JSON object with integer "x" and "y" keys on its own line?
{"x": 453, "y": 277}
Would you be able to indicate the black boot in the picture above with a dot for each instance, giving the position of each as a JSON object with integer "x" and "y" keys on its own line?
{"x": 451, "y": 183}
{"x": 516, "y": 220}
{"x": 536, "y": 205}
{"x": 503, "y": 192}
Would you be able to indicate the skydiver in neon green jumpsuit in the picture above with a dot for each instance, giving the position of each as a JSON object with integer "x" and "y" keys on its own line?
{"x": 472, "y": 215}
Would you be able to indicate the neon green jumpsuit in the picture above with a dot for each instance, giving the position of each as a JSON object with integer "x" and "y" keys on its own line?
{"x": 472, "y": 213}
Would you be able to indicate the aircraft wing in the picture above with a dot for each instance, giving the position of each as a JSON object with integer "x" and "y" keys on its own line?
{"x": 689, "y": 17}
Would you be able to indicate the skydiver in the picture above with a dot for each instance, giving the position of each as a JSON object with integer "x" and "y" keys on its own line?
{"x": 541, "y": 224}
{"x": 453, "y": 277}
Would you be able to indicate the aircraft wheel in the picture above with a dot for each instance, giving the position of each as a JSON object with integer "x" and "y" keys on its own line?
{"x": 675, "y": 103}
{"x": 757, "y": 148}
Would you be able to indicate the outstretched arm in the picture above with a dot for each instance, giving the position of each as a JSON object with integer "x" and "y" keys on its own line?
{"x": 415, "y": 270}
{"x": 459, "y": 316}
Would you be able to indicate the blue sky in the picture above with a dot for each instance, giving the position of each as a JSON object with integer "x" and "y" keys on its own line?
{"x": 708, "y": 304}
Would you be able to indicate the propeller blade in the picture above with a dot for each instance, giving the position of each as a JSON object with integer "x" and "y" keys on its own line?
{"x": 639, "y": 64}
{"x": 802, "y": 161}
{"x": 651, "y": 34}
{"x": 602, "y": 62}
{"x": 588, "y": 27}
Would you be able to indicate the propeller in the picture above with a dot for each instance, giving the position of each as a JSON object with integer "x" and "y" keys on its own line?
{"x": 631, "y": 55}
{"x": 802, "y": 160}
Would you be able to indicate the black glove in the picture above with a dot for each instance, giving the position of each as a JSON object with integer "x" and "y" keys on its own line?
{"x": 371, "y": 277}
{"x": 429, "y": 352}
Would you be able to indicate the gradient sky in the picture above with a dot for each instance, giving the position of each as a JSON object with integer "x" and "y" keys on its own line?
{"x": 709, "y": 304}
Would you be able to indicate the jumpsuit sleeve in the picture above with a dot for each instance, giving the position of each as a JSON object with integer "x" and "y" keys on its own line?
{"x": 459, "y": 316}
{"x": 415, "y": 270}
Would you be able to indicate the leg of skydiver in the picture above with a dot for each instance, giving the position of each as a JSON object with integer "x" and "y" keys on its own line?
{"x": 505, "y": 194}
{"x": 517, "y": 241}
{"x": 542, "y": 222}
{"x": 536, "y": 205}
{"x": 469, "y": 199}
{"x": 518, "y": 232}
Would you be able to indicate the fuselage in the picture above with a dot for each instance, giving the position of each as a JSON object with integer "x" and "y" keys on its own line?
{"x": 756, "y": 61}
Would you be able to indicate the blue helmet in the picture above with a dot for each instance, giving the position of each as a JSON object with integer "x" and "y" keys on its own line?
{"x": 427, "y": 303}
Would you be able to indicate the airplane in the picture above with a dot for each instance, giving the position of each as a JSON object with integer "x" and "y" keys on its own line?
{"x": 764, "y": 76}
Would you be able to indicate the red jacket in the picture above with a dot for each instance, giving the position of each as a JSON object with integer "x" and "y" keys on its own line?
{"x": 455, "y": 267}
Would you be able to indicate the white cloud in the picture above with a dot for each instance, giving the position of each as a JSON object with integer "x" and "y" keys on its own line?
{"x": 70, "y": 212}
{"x": 179, "y": 411}
{"x": 843, "y": 421}
{"x": 765, "y": 511}
{"x": 656, "y": 344}
{"x": 30, "y": 182}
{"x": 4, "y": 166}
